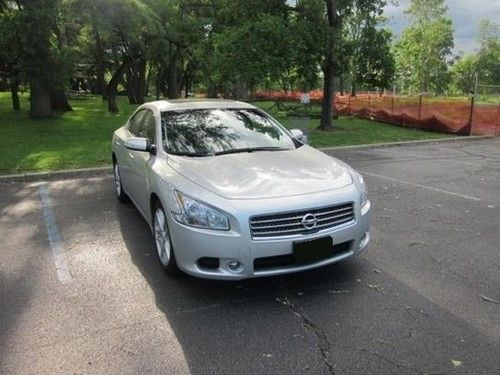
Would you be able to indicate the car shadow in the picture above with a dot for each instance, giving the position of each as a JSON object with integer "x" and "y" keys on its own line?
{"x": 210, "y": 318}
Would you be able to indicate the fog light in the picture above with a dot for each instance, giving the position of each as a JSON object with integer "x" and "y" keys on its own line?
{"x": 234, "y": 266}
{"x": 364, "y": 240}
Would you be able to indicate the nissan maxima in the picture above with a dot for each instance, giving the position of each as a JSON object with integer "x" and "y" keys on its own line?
{"x": 229, "y": 193}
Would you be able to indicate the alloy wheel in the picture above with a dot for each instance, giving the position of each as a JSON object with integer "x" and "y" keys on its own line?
{"x": 162, "y": 237}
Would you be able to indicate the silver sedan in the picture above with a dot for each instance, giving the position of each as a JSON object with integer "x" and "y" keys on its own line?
{"x": 229, "y": 193}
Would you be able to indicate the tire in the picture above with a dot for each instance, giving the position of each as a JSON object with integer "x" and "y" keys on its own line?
{"x": 120, "y": 193}
{"x": 163, "y": 242}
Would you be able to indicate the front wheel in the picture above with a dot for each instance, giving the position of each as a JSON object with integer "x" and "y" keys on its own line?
{"x": 162, "y": 242}
{"x": 120, "y": 193}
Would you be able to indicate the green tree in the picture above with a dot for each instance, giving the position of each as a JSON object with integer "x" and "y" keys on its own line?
{"x": 425, "y": 46}
{"x": 332, "y": 64}
{"x": 245, "y": 44}
{"x": 463, "y": 73}
{"x": 489, "y": 52}
{"x": 43, "y": 56}
{"x": 10, "y": 52}
{"x": 485, "y": 63}
{"x": 38, "y": 55}
{"x": 371, "y": 62}
{"x": 120, "y": 45}
{"x": 320, "y": 24}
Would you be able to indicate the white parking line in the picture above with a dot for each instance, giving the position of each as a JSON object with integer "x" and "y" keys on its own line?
{"x": 56, "y": 246}
{"x": 403, "y": 182}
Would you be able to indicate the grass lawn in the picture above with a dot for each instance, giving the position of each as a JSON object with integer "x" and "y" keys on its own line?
{"x": 348, "y": 130}
{"x": 82, "y": 138}
{"x": 77, "y": 139}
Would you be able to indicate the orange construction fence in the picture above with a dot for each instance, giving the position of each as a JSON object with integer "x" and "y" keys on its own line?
{"x": 454, "y": 116}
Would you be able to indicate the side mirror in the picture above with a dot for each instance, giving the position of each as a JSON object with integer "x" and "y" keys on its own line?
{"x": 139, "y": 144}
{"x": 299, "y": 136}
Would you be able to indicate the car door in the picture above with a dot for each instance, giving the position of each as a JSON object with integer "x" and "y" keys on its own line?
{"x": 140, "y": 162}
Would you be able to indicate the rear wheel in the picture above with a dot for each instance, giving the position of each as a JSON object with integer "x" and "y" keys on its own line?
{"x": 163, "y": 242}
{"x": 120, "y": 193}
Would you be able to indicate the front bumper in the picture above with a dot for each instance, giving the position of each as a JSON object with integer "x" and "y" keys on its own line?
{"x": 190, "y": 244}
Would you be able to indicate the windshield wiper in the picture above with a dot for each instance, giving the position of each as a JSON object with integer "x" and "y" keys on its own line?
{"x": 249, "y": 149}
{"x": 191, "y": 154}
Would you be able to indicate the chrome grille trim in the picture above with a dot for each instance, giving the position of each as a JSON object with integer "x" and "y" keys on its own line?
{"x": 290, "y": 223}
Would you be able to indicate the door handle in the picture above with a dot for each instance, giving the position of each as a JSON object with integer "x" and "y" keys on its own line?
{"x": 117, "y": 143}
{"x": 131, "y": 156}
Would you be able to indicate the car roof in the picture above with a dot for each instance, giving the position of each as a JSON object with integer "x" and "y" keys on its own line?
{"x": 186, "y": 104}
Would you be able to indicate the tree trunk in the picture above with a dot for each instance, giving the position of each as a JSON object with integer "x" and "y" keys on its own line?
{"x": 130, "y": 85}
{"x": 159, "y": 81}
{"x": 14, "y": 92}
{"x": 112, "y": 86}
{"x": 173, "y": 75}
{"x": 212, "y": 91}
{"x": 240, "y": 89}
{"x": 148, "y": 79}
{"x": 59, "y": 100}
{"x": 141, "y": 81}
{"x": 327, "y": 111}
{"x": 353, "y": 88}
{"x": 136, "y": 81}
{"x": 187, "y": 85}
{"x": 100, "y": 64}
{"x": 39, "y": 101}
{"x": 326, "y": 122}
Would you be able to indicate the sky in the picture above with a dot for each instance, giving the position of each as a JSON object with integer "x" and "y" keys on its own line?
{"x": 465, "y": 14}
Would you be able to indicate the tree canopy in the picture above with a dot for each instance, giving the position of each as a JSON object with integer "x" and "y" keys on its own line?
{"x": 425, "y": 48}
{"x": 165, "y": 48}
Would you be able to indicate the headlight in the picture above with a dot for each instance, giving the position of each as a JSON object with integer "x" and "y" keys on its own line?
{"x": 197, "y": 214}
{"x": 363, "y": 199}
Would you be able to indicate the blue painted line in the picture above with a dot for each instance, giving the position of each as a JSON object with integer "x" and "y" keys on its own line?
{"x": 56, "y": 246}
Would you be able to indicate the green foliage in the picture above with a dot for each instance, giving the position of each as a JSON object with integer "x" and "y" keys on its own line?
{"x": 254, "y": 51}
{"x": 425, "y": 46}
{"x": 376, "y": 62}
{"x": 310, "y": 36}
{"x": 485, "y": 63}
{"x": 489, "y": 52}
{"x": 10, "y": 49}
{"x": 371, "y": 63}
{"x": 463, "y": 74}
{"x": 44, "y": 56}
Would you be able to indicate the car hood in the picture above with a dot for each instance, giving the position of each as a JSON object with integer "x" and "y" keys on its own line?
{"x": 264, "y": 174}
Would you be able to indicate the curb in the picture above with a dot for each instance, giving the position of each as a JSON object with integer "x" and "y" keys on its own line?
{"x": 407, "y": 143}
{"x": 107, "y": 171}
{"x": 58, "y": 175}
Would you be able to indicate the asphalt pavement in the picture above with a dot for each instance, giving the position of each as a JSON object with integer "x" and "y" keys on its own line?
{"x": 81, "y": 291}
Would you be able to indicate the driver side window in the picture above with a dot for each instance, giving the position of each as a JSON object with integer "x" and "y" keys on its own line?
{"x": 142, "y": 125}
{"x": 148, "y": 126}
{"x": 135, "y": 123}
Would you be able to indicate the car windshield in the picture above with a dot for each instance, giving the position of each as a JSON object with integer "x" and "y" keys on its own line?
{"x": 203, "y": 132}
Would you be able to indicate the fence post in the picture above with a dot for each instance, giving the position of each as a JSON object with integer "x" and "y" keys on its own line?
{"x": 420, "y": 107}
{"x": 392, "y": 101}
{"x": 472, "y": 103}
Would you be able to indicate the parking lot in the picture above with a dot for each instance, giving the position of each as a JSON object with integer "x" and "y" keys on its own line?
{"x": 81, "y": 291}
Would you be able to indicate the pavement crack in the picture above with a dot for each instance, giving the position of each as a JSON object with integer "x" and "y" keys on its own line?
{"x": 324, "y": 344}
{"x": 384, "y": 358}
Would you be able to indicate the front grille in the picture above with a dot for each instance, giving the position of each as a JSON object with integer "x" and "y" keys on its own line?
{"x": 277, "y": 225}
{"x": 288, "y": 260}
